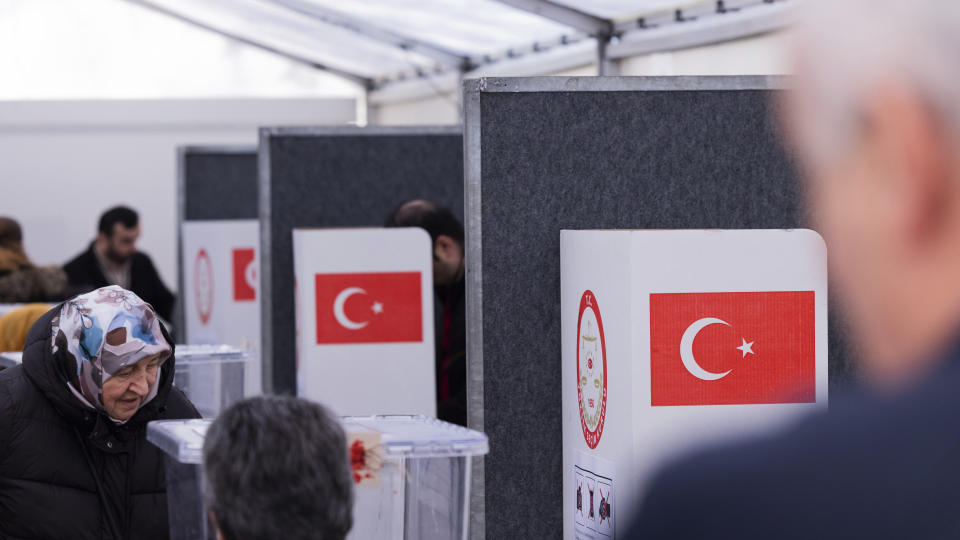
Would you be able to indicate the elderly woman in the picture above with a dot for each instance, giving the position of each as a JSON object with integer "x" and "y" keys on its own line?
{"x": 74, "y": 460}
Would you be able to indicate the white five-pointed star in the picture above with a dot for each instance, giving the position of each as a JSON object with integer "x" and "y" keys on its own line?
{"x": 746, "y": 348}
{"x": 377, "y": 308}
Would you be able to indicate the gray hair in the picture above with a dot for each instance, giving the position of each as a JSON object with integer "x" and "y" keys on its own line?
{"x": 845, "y": 47}
{"x": 277, "y": 467}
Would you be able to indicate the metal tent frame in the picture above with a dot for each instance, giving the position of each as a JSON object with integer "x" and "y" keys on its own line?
{"x": 441, "y": 68}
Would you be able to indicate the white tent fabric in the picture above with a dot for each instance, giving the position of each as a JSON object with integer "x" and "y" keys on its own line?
{"x": 377, "y": 42}
{"x": 386, "y": 50}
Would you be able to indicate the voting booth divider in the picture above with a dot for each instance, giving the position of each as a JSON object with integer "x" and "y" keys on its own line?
{"x": 219, "y": 309}
{"x": 677, "y": 339}
{"x": 364, "y": 304}
{"x": 316, "y": 177}
{"x": 553, "y": 153}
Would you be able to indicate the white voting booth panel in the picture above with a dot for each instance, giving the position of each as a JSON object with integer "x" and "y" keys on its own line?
{"x": 220, "y": 302}
{"x": 673, "y": 340}
{"x": 364, "y": 304}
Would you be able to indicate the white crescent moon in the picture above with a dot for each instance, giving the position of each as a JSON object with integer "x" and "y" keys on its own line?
{"x": 338, "y": 308}
{"x": 686, "y": 350}
{"x": 250, "y": 274}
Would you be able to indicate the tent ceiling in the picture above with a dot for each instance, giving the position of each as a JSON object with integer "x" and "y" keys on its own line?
{"x": 624, "y": 9}
{"x": 376, "y": 42}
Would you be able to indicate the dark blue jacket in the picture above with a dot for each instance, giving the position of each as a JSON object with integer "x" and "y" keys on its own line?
{"x": 869, "y": 468}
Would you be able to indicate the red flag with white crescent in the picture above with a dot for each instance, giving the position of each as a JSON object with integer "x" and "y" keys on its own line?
{"x": 244, "y": 275}
{"x": 732, "y": 348}
{"x": 380, "y": 307}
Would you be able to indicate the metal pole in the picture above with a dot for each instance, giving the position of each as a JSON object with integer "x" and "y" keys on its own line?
{"x": 606, "y": 66}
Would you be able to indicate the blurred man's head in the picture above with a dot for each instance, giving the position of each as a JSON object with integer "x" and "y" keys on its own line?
{"x": 876, "y": 120}
{"x": 444, "y": 229}
{"x": 11, "y": 235}
{"x": 117, "y": 235}
{"x": 277, "y": 467}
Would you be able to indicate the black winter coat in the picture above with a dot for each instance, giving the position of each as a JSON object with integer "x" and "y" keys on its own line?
{"x": 454, "y": 408}
{"x": 47, "y": 489}
{"x": 84, "y": 274}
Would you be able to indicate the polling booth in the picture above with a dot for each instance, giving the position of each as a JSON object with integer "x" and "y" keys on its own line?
{"x": 675, "y": 339}
{"x": 547, "y": 154}
{"x": 219, "y": 310}
{"x": 364, "y": 320}
{"x": 316, "y": 177}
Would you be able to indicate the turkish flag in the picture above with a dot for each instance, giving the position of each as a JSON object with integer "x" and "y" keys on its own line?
{"x": 244, "y": 275}
{"x": 382, "y": 307}
{"x": 732, "y": 348}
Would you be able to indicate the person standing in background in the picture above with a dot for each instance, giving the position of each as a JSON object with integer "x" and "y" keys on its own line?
{"x": 20, "y": 280}
{"x": 112, "y": 259}
{"x": 446, "y": 232}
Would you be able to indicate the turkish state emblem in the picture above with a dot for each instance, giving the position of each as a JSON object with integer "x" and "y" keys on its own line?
{"x": 591, "y": 369}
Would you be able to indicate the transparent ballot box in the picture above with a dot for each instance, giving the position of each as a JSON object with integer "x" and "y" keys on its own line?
{"x": 411, "y": 474}
{"x": 182, "y": 442}
{"x": 212, "y": 376}
{"x": 10, "y": 359}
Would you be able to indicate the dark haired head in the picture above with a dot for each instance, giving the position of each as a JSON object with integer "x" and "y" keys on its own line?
{"x": 11, "y": 236}
{"x": 433, "y": 218}
{"x": 277, "y": 467}
{"x": 118, "y": 214}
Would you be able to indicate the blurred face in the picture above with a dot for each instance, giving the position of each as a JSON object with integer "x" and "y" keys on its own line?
{"x": 884, "y": 196}
{"x": 123, "y": 394}
{"x": 122, "y": 244}
{"x": 849, "y": 195}
{"x": 447, "y": 260}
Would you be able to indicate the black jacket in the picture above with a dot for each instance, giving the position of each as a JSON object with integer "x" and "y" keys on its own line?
{"x": 453, "y": 409}
{"x": 84, "y": 274}
{"x": 871, "y": 468}
{"x": 47, "y": 489}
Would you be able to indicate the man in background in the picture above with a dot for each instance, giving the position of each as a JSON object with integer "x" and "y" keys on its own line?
{"x": 446, "y": 232}
{"x": 112, "y": 259}
{"x": 277, "y": 467}
{"x": 875, "y": 121}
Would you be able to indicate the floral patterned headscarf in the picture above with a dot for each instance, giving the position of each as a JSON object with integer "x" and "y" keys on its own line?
{"x": 99, "y": 333}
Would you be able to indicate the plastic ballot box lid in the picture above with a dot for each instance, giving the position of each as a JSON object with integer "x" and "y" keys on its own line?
{"x": 400, "y": 436}
{"x": 416, "y": 436}
{"x": 10, "y": 359}
{"x": 182, "y": 440}
{"x": 195, "y": 353}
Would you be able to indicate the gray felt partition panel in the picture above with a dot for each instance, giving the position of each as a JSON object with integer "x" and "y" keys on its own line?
{"x": 338, "y": 177}
{"x": 545, "y": 154}
{"x": 213, "y": 182}
{"x": 218, "y": 182}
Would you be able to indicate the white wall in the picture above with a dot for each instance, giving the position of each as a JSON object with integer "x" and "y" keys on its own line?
{"x": 63, "y": 162}
{"x": 438, "y": 109}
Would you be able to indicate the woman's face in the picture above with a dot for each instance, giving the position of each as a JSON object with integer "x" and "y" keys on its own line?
{"x": 128, "y": 388}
